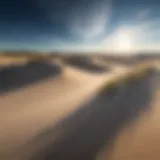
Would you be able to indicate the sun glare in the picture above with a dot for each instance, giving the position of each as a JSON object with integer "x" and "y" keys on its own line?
{"x": 124, "y": 41}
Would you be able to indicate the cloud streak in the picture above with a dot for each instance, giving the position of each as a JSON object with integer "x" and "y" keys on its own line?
{"x": 88, "y": 23}
{"x": 143, "y": 14}
{"x": 133, "y": 38}
{"x": 92, "y": 23}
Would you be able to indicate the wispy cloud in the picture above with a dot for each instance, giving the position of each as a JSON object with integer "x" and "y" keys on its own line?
{"x": 89, "y": 22}
{"x": 92, "y": 23}
{"x": 131, "y": 38}
{"x": 143, "y": 14}
{"x": 127, "y": 38}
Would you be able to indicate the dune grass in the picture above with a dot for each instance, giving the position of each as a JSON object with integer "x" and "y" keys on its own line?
{"x": 136, "y": 74}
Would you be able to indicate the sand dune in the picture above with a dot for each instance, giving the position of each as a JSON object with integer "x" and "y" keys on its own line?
{"x": 139, "y": 140}
{"x": 14, "y": 77}
{"x": 86, "y": 131}
{"x": 28, "y": 111}
{"x": 65, "y": 116}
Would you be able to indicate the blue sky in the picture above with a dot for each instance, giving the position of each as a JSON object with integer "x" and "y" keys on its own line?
{"x": 89, "y": 25}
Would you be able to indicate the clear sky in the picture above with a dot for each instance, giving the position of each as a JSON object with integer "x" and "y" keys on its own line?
{"x": 89, "y": 25}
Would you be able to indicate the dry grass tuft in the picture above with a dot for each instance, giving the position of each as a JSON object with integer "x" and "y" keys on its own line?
{"x": 138, "y": 73}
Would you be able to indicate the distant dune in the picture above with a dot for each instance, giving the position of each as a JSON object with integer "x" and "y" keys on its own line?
{"x": 86, "y": 63}
{"x": 13, "y": 77}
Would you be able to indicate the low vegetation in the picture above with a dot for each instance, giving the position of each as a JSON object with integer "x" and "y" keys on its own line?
{"x": 138, "y": 73}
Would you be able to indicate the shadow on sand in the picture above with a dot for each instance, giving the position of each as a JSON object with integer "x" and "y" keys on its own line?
{"x": 81, "y": 135}
{"x": 87, "y": 65}
{"x": 15, "y": 77}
